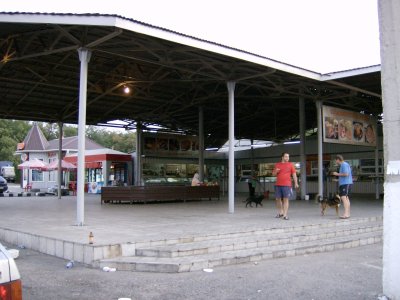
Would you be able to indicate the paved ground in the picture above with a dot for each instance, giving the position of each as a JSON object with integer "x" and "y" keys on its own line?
{"x": 345, "y": 274}
{"x": 114, "y": 223}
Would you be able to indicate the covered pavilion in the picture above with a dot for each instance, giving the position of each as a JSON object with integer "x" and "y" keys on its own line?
{"x": 170, "y": 76}
{"x": 73, "y": 68}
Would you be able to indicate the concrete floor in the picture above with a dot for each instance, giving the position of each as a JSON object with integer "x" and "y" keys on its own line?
{"x": 120, "y": 223}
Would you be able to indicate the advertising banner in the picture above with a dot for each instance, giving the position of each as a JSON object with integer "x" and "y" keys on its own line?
{"x": 170, "y": 145}
{"x": 348, "y": 127}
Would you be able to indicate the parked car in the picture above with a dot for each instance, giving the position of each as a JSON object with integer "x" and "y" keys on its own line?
{"x": 8, "y": 173}
{"x": 10, "y": 279}
{"x": 7, "y": 170}
{"x": 3, "y": 185}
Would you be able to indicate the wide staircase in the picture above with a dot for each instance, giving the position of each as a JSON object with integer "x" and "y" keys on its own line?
{"x": 195, "y": 253}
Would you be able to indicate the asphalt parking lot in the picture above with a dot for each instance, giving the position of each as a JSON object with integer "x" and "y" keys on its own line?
{"x": 346, "y": 274}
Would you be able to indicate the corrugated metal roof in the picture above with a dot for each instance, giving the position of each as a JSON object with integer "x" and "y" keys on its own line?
{"x": 172, "y": 35}
{"x": 308, "y": 73}
{"x": 171, "y": 76}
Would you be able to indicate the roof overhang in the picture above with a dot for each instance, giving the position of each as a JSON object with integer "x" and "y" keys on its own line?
{"x": 171, "y": 75}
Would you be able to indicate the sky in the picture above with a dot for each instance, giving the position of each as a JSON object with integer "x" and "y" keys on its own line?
{"x": 319, "y": 35}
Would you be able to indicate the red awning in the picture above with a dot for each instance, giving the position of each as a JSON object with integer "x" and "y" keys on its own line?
{"x": 93, "y": 165}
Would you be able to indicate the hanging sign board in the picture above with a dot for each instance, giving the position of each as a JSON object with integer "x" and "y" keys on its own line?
{"x": 348, "y": 127}
{"x": 170, "y": 145}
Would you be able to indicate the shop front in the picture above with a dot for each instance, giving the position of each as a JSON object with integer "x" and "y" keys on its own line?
{"x": 104, "y": 167}
{"x": 180, "y": 171}
{"x": 170, "y": 159}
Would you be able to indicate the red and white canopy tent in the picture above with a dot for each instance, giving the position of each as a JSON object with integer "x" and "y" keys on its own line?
{"x": 55, "y": 166}
{"x": 65, "y": 166}
{"x": 33, "y": 164}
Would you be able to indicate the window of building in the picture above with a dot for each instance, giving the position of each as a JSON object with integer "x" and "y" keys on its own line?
{"x": 37, "y": 176}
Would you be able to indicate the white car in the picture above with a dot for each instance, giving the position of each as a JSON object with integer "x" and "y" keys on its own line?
{"x": 10, "y": 279}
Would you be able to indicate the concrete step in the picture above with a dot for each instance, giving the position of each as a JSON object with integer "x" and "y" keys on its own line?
{"x": 257, "y": 231}
{"x": 254, "y": 241}
{"x": 211, "y": 260}
{"x": 198, "y": 252}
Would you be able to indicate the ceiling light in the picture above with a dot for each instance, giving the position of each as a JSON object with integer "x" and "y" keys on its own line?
{"x": 291, "y": 142}
{"x": 127, "y": 90}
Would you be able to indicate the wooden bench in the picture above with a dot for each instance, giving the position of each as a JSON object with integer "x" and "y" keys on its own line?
{"x": 144, "y": 194}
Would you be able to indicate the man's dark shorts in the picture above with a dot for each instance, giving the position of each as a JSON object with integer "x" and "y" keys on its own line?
{"x": 345, "y": 189}
{"x": 283, "y": 192}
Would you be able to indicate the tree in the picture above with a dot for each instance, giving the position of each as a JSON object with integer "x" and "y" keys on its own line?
{"x": 124, "y": 142}
{"x": 70, "y": 130}
{"x": 11, "y": 133}
{"x": 50, "y": 130}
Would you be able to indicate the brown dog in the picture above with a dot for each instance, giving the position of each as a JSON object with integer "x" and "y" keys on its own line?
{"x": 332, "y": 202}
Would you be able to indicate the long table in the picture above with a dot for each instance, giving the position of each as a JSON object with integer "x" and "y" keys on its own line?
{"x": 144, "y": 194}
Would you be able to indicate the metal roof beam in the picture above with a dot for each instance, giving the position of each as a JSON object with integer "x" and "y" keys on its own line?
{"x": 45, "y": 53}
{"x": 105, "y": 38}
{"x": 68, "y": 35}
{"x": 353, "y": 88}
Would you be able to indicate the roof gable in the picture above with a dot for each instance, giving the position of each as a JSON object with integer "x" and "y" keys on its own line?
{"x": 35, "y": 139}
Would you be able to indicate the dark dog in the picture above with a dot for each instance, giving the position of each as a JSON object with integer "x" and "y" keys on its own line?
{"x": 331, "y": 202}
{"x": 254, "y": 199}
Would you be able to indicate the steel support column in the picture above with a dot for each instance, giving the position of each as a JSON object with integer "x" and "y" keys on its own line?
{"x": 84, "y": 57}
{"x": 201, "y": 144}
{"x": 302, "y": 126}
{"x": 138, "y": 165}
{"x": 231, "y": 160}
{"x": 59, "y": 171}
{"x": 320, "y": 153}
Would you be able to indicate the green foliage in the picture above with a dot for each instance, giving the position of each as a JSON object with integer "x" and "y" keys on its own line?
{"x": 124, "y": 142}
{"x": 70, "y": 131}
{"x": 16, "y": 130}
{"x": 51, "y": 130}
{"x": 11, "y": 133}
{"x": 7, "y": 148}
